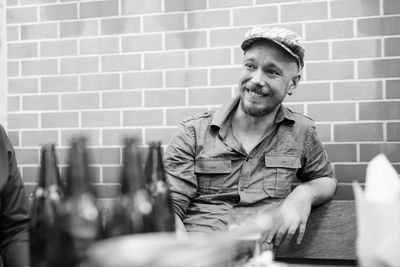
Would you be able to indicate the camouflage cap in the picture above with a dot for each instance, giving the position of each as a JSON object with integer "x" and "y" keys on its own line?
{"x": 285, "y": 38}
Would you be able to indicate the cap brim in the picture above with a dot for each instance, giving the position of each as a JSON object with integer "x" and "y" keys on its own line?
{"x": 245, "y": 45}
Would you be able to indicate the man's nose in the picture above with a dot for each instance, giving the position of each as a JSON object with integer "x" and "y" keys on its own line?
{"x": 258, "y": 78}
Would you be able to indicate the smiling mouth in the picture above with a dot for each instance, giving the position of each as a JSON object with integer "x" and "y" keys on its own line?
{"x": 254, "y": 93}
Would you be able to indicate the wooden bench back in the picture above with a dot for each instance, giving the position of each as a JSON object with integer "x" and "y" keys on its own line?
{"x": 330, "y": 234}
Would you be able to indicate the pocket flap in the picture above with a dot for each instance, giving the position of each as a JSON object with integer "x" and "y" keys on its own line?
{"x": 213, "y": 166}
{"x": 282, "y": 161}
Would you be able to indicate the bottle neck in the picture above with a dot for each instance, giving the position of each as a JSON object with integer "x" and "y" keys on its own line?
{"x": 78, "y": 173}
{"x": 132, "y": 179}
{"x": 160, "y": 165}
{"x": 154, "y": 165}
{"x": 49, "y": 173}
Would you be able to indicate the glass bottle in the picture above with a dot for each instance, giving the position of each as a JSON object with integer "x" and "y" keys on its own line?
{"x": 78, "y": 221}
{"x": 159, "y": 190}
{"x": 133, "y": 210}
{"x": 46, "y": 199}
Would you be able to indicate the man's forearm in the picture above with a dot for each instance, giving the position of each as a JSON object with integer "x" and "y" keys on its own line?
{"x": 319, "y": 190}
{"x": 180, "y": 227}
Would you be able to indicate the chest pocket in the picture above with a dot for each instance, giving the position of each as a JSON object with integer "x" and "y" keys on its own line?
{"x": 280, "y": 171}
{"x": 212, "y": 174}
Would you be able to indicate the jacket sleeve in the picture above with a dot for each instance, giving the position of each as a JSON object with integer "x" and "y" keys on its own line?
{"x": 317, "y": 164}
{"x": 179, "y": 168}
{"x": 14, "y": 209}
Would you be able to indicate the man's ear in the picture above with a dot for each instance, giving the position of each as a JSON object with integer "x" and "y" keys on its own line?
{"x": 293, "y": 84}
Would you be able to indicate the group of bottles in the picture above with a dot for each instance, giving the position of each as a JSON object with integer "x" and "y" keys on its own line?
{"x": 65, "y": 220}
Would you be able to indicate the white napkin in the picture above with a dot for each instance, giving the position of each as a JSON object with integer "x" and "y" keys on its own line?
{"x": 378, "y": 215}
{"x": 382, "y": 182}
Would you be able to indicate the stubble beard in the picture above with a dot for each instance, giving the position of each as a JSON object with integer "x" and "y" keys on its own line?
{"x": 257, "y": 111}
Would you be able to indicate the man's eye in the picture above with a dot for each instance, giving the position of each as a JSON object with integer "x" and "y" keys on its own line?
{"x": 272, "y": 72}
{"x": 249, "y": 66}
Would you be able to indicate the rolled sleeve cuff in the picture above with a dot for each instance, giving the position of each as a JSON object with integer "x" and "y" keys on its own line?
{"x": 180, "y": 204}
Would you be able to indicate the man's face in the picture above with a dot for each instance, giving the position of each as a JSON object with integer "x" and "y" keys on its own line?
{"x": 268, "y": 74}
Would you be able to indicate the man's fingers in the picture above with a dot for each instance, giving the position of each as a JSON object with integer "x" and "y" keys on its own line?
{"x": 292, "y": 230}
{"x": 279, "y": 235}
{"x": 270, "y": 235}
{"x": 302, "y": 229}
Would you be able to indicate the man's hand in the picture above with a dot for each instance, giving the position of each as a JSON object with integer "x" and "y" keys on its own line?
{"x": 293, "y": 215}
{"x": 294, "y": 211}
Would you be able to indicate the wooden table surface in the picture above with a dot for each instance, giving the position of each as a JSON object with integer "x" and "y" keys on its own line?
{"x": 316, "y": 265}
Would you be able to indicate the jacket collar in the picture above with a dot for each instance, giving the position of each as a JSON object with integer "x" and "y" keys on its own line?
{"x": 222, "y": 116}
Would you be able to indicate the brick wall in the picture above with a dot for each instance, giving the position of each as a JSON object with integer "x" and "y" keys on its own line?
{"x": 3, "y": 64}
{"x": 113, "y": 68}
